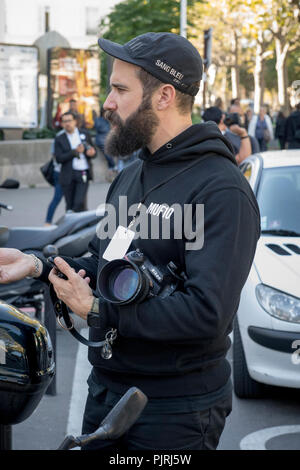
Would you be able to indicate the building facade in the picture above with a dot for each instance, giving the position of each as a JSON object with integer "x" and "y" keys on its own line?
{"x": 23, "y": 22}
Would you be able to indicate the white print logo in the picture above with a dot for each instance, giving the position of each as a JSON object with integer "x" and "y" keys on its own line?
{"x": 296, "y": 355}
{"x": 2, "y": 352}
{"x": 82, "y": 136}
{"x": 167, "y": 68}
{"x": 157, "y": 209}
{"x": 187, "y": 222}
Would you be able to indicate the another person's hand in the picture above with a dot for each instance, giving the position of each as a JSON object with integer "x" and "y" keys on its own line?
{"x": 74, "y": 292}
{"x": 15, "y": 265}
{"x": 236, "y": 129}
{"x": 90, "y": 152}
{"x": 80, "y": 148}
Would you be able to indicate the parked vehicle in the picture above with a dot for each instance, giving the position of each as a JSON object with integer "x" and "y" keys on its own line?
{"x": 27, "y": 368}
{"x": 69, "y": 237}
{"x": 266, "y": 339}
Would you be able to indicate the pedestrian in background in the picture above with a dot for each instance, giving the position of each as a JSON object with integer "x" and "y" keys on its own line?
{"x": 293, "y": 129}
{"x": 236, "y": 134}
{"x": 261, "y": 128}
{"x": 58, "y": 192}
{"x": 74, "y": 150}
{"x": 248, "y": 117}
{"x": 102, "y": 128}
{"x": 280, "y": 129}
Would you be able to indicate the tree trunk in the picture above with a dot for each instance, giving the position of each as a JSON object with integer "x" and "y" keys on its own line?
{"x": 258, "y": 78}
{"x": 281, "y": 55}
{"x": 235, "y": 70}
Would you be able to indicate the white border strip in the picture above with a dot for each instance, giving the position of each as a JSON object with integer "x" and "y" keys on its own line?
{"x": 79, "y": 388}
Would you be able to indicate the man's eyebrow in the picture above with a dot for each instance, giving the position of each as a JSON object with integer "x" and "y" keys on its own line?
{"x": 119, "y": 85}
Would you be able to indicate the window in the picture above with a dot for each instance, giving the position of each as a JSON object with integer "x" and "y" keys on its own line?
{"x": 92, "y": 20}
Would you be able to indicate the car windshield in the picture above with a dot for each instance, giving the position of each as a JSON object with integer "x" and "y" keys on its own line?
{"x": 279, "y": 201}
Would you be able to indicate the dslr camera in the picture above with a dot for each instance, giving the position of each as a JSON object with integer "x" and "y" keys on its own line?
{"x": 134, "y": 278}
{"x": 86, "y": 146}
{"x": 231, "y": 119}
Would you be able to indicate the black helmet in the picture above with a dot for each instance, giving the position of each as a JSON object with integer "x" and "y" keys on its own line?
{"x": 26, "y": 364}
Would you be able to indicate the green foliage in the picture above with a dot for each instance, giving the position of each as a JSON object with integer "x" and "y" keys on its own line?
{"x": 44, "y": 133}
{"x": 131, "y": 18}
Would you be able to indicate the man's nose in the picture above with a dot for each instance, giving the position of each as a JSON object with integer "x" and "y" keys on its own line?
{"x": 109, "y": 103}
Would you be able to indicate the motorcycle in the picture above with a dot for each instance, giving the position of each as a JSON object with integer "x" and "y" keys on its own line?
{"x": 28, "y": 369}
{"x": 69, "y": 237}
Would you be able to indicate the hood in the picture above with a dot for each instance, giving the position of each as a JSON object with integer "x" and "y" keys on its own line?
{"x": 196, "y": 141}
{"x": 277, "y": 261}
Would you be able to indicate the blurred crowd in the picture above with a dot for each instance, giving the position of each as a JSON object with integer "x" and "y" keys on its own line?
{"x": 249, "y": 132}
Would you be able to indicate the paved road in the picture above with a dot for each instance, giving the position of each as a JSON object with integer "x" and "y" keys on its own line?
{"x": 61, "y": 414}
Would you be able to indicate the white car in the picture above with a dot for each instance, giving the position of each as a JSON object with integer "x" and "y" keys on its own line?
{"x": 266, "y": 336}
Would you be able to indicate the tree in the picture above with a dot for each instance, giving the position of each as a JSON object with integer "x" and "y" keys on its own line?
{"x": 131, "y": 18}
{"x": 228, "y": 19}
{"x": 285, "y": 16}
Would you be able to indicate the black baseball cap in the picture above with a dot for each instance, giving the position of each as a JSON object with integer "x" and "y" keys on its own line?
{"x": 167, "y": 56}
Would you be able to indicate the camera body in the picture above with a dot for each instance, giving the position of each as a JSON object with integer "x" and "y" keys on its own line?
{"x": 231, "y": 119}
{"x": 86, "y": 146}
{"x": 134, "y": 278}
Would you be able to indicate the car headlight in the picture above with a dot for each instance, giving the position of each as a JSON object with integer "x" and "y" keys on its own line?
{"x": 278, "y": 304}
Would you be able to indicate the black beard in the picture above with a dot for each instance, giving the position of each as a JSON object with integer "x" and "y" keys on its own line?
{"x": 134, "y": 133}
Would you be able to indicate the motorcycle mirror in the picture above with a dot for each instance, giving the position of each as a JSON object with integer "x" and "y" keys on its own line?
{"x": 50, "y": 250}
{"x": 10, "y": 184}
{"x": 123, "y": 415}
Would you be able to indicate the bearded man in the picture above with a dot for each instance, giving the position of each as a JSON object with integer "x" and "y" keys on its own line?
{"x": 172, "y": 346}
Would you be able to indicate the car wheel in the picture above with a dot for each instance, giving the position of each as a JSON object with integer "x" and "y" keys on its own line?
{"x": 244, "y": 385}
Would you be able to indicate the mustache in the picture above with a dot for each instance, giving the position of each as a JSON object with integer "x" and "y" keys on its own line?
{"x": 112, "y": 117}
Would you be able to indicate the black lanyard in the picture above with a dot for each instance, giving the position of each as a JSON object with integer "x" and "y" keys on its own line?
{"x": 195, "y": 162}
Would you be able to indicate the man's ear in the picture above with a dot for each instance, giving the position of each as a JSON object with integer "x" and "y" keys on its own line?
{"x": 165, "y": 97}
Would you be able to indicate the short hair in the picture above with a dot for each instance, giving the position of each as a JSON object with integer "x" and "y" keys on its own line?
{"x": 67, "y": 113}
{"x": 184, "y": 102}
{"x": 213, "y": 114}
{"x": 72, "y": 100}
{"x": 234, "y": 100}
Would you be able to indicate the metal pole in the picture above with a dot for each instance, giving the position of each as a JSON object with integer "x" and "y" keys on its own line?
{"x": 183, "y": 22}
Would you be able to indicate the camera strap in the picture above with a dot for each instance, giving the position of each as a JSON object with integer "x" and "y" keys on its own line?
{"x": 62, "y": 312}
{"x": 195, "y": 162}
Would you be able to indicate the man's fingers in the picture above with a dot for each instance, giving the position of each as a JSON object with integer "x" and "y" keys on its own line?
{"x": 82, "y": 273}
{"x": 64, "y": 267}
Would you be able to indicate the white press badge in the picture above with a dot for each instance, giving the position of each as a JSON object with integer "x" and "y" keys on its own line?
{"x": 119, "y": 244}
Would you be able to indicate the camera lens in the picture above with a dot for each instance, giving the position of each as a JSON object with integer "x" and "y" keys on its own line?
{"x": 121, "y": 282}
{"x": 125, "y": 283}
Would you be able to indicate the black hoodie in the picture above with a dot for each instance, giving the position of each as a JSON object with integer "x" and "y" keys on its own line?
{"x": 177, "y": 345}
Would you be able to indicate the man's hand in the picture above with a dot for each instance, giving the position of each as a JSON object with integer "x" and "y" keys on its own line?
{"x": 91, "y": 152}
{"x": 15, "y": 265}
{"x": 236, "y": 129}
{"x": 74, "y": 292}
{"x": 80, "y": 148}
